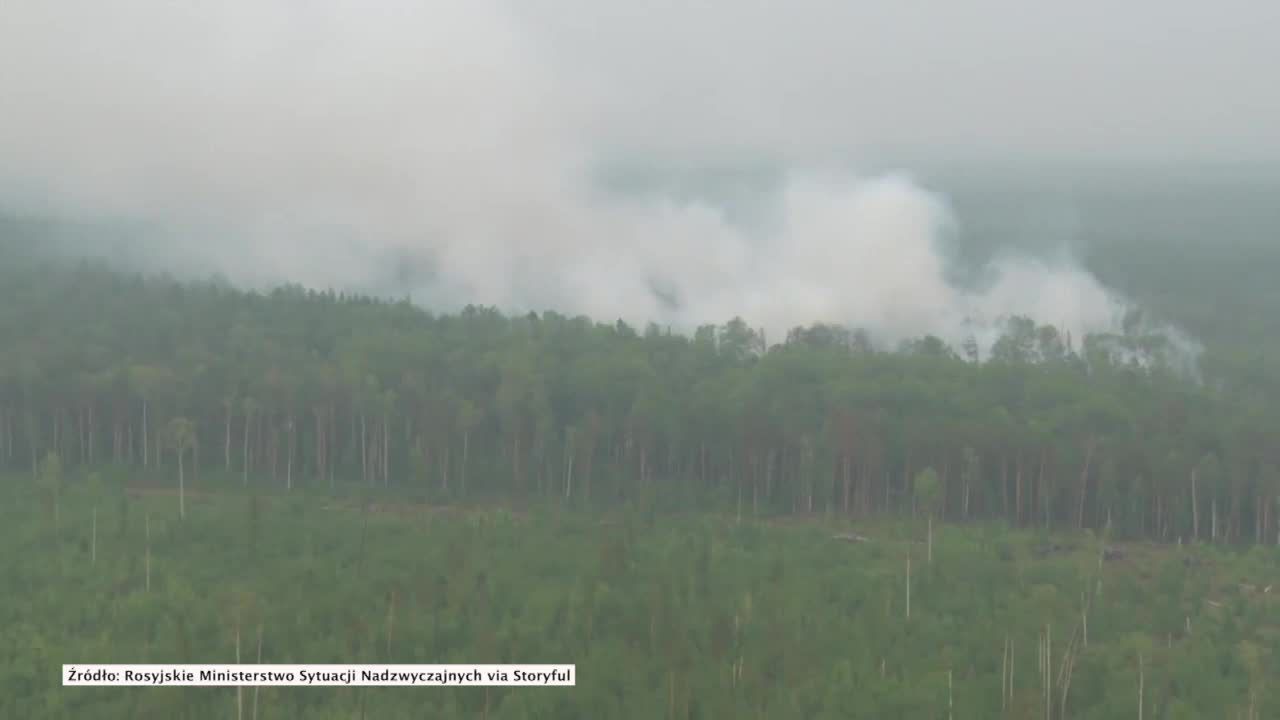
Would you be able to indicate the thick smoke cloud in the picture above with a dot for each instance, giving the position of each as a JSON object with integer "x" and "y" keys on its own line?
{"x": 452, "y": 147}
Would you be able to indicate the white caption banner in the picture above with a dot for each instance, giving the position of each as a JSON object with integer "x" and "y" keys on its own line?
{"x": 320, "y": 675}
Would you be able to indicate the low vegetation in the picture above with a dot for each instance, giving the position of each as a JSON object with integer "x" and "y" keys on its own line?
{"x": 666, "y": 616}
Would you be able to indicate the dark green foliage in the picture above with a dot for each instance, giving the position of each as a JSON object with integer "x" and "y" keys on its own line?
{"x": 201, "y": 386}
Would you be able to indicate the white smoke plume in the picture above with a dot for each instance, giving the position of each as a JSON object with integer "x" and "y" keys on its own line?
{"x": 331, "y": 142}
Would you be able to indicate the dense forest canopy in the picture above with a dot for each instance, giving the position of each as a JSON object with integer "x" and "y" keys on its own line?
{"x": 299, "y": 387}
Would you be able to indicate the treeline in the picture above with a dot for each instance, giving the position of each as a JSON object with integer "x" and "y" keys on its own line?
{"x": 315, "y": 389}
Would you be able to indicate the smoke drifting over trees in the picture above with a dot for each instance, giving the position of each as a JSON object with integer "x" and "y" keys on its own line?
{"x": 453, "y": 149}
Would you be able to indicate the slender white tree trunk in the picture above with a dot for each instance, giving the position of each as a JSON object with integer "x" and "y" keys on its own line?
{"x": 568, "y": 478}
{"x": 227, "y": 442}
{"x": 247, "y": 420}
{"x": 364, "y": 449}
{"x": 1012, "y": 657}
{"x": 929, "y": 544}
{"x": 239, "y": 688}
{"x": 908, "y": 584}
{"x": 466, "y": 447}
{"x": 1004, "y": 674}
{"x": 1140, "y": 683}
{"x": 1048, "y": 671}
{"x": 1195, "y": 507}
{"x": 182, "y": 489}
{"x": 255, "y": 687}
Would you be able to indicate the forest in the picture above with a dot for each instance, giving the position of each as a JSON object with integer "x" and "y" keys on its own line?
{"x": 712, "y": 524}
{"x": 762, "y": 361}
{"x": 665, "y": 615}
{"x": 300, "y": 388}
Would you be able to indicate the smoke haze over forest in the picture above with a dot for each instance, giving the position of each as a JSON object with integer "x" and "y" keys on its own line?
{"x": 809, "y": 358}
{"x": 456, "y": 149}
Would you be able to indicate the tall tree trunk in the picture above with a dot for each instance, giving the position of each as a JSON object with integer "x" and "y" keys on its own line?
{"x": 317, "y": 415}
{"x": 908, "y": 583}
{"x": 466, "y": 453}
{"x": 1017, "y": 492}
{"x": 946, "y": 486}
{"x": 1045, "y": 497}
{"x": 364, "y": 451}
{"x": 34, "y": 442}
{"x": 1084, "y": 483}
{"x": 568, "y": 476}
{"x": 755, "y": 488}
{"x": 1004, "y": 674}
{"x": 255, "y": 687}
{"x": 1161, "y": 527}
{"x": 331, "y": 439}
{"x": 145, "y": 433}
{"x": 239, "y": 688}
{"x": 1195, "y": 505}
{"x": 444, "y": 466}
{"x": 226, "y": 445}
{"x": 248, "y": 418}
{"x": 588, "y": 459}
{"x": 1141, "y": 682}
{"x": 929, "y": 542}
{"x": 182, "y": 488}
{"x": 847, "y": 480}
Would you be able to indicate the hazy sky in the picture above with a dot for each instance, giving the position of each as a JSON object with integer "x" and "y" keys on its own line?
{"x": 1130, "y": 79}
{"x": 328, "y": 141}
